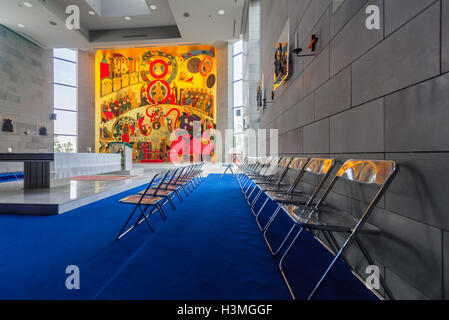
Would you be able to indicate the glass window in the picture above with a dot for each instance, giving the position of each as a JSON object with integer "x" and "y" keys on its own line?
{"x": 65, "y": 97}
{"x": 65, "y": 122}
{"x": 238, "y": 47}
{"x": 65, "y": 143}
{"x": 66, "y": 54}
{"x": 65, "y": 72}
{"x": 65, "y": 100}
{"x": 238, "y": 67}
{"x": 238, "y": 93}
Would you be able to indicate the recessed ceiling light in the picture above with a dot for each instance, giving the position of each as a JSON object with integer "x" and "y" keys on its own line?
{"x": 127, "y": 18}
{"x": 21, "y": 25}
{"x": 92, "y": 13}
{"x": 153, "y": 7}
{"x": 27, "y": 4}
{"x": 53, "y": 23}
{"x": 186, "y": 14}
{"x": 221, "y": 12}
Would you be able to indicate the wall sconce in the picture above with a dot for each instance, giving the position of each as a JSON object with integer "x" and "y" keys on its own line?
{"x": 298, "y": 51}
{"x": 312, "y": 47}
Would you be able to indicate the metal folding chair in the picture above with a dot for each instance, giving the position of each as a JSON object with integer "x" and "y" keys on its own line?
{"x": 296, "y": 166}
{"x": 328, "y": 220}
{"x": 145, "y": 201}
{"x": 162, "y": 191}
{"x": 275, "y": 183}
{"x": 316, "y": 167}
{"x": 257, "y": 170}
{"x": 266, "y": 174}
{"x": 247, "y": 168}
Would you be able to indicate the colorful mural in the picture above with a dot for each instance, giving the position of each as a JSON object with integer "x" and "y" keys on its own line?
{"x": 144, "y": 95}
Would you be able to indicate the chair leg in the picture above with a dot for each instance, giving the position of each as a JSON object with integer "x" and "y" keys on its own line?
{"x": 256, "y": 198}
{"x": 281, "y": 262}
{"x": 178, "y": 194}
{"x": 371, "y": 262}
{"x": 259, "y": 212}
{"x": 273, "y": 216}
{"x": 120, "y": 235}
{"x": 249, "y": 196}
{"x": 161, "y": 211}
{"x": 276, "y": 252}
{"x": 171, "y": 202}
{"x": 185, "y": 191}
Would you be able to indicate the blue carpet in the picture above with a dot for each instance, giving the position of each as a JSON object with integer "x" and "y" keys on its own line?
{"x": 209, "y": 248}
{"x": 13, "y": 176}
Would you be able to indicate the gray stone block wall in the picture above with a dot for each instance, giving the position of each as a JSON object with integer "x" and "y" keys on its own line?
{"x": 377, "y": 94}
{"x": 26, "y": 93}
{"x": 86, "y": 101}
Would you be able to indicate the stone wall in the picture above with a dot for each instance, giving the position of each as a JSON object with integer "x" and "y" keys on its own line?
{"x": 86, "y": 101}
{"x": 26, "y": 93}
{"x": 377, "y": 94}
{"x": 224, "y": 93}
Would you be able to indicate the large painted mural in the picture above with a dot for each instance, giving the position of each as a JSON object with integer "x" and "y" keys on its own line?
{"x": 143, "y": 95}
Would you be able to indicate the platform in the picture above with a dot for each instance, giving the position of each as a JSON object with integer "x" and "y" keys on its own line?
{"x": 64, "y": 196}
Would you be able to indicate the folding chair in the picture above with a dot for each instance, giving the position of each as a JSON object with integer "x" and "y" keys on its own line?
{"x": 257, "y": 170}
{"x": 316, "y": 167}
{"x": 329, "y": 221}
{"x": 173, "y": 185}
{"x": 273, "y": 184}
{"x": 270, "y": 176}
{"x": 162, "y": 191}
{"x": 142, "y": 200}
{"x": 183, "y": 180}
{"x": 297, "y": 166}
{"x": 266, "y": 174}
{"x": 247, "y": 168}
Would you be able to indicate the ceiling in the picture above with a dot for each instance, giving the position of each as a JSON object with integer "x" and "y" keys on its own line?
{"x": 44, "y": 22}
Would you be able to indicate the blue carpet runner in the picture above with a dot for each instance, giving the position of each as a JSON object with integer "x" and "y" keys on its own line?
{"x": 209, "y": 248}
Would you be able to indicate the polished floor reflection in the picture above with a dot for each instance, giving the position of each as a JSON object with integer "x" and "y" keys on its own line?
{"x": 66, "y": 195}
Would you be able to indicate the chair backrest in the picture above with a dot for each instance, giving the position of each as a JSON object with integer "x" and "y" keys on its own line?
{"x": 372, "y": 172}
{"x": 367, "y": 171}
{"x": 319, "y": 166}
{"x": 173, "y": 176}
{"x": 162, "y": 181}
{"x": 298, "y": 163}
{"x": 153, "y": 180}
{"x": 283, "y": 167}
{"x": 272, "y": 167}
{"x": 264, "y": 166}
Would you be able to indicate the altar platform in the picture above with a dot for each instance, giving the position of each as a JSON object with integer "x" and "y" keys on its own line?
{"x": 68, "y": 194}
{"x": 65, "y": 195}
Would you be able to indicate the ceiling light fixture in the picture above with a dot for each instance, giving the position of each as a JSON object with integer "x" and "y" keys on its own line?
{"x": 92, "y": 13}
{"x": 21, "y": 25}
{"x": 186, "y": 14}
{"x": 127, "y": 18}
{"x": 221, "y": 12}
{"x": 53, "y": 23}
{"x": 153, "y": 7}
{"x": 27, "y": 4}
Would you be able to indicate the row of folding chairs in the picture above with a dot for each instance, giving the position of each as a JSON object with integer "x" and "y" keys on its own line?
{"x": 160, "y": 191}
{"x": 306, "y": 206}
